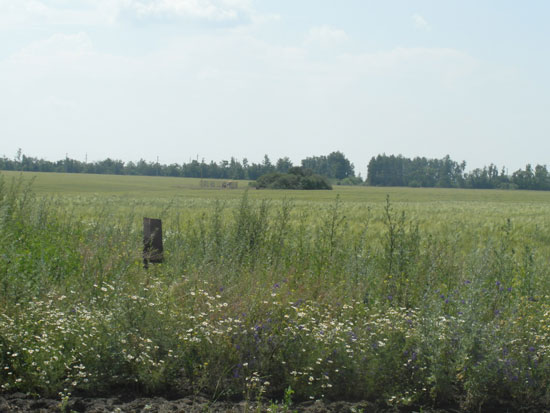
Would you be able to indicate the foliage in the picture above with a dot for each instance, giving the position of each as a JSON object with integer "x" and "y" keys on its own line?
{"x": 393, "y": 170}
{"x": 418, "y": 172}
{"x": 334, "y": 166}
{"x": 402, "y": 303}
{"x": 383, "y": 170}
{"x": 350, "y": 180}
{"x": 296, "y": 178}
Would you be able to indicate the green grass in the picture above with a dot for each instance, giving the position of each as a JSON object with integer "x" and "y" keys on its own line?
{"x": 170, "y": 188}
{"x": 436, "y": 297}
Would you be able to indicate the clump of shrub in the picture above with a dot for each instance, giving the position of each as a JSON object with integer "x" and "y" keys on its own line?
{"x": 350, "y": 181}
{"x": 296, "y": 178}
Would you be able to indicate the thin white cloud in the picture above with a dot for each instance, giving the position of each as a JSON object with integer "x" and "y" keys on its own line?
{"x": 325, "y": 36}
{"x": 446, "y": 67}
{"x": 208, "y": 10}
{"x": 406, "y": 58}
{"x": 59, "y": 103}
{"x": 420, "y": 22}
{"x": 57, "y": 46}
{"x": 14, "y": 13}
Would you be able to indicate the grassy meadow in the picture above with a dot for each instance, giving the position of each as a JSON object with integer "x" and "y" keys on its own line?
{"x": 399, "y": 296}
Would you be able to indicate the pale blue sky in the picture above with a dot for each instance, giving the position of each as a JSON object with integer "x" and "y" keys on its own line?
{"x": 178, "y": 79}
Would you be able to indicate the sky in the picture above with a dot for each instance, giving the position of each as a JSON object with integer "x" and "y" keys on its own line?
{"x": 215, "y": 79}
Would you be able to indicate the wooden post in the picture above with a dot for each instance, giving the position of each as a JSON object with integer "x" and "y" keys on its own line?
{"x": 152, "y": 241}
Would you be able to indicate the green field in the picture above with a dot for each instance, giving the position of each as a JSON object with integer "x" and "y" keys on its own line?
{"x": 174, "y": 188}
{"x": 399, "y": 296}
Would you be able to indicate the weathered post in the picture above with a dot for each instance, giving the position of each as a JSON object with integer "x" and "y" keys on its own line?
{"x": 152, "y": 241}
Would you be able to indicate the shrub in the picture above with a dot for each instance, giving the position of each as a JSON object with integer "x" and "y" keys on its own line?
{"x": 296, "y": 178}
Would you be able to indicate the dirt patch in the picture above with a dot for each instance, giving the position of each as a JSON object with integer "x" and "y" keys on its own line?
{"x": 21, "y": 403}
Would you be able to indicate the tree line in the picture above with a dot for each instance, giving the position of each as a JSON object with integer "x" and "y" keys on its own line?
{"x": 391, "y": 170}
{"x": 334, "y": 166}
{"x": 383, "y": 170}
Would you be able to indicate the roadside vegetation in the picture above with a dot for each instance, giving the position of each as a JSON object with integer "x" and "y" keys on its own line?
{"x": 398, "y": 303}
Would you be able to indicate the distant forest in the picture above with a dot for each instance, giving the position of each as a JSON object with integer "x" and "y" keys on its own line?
{"x": 335, "y": 166}
{"x": 383, "y": 170}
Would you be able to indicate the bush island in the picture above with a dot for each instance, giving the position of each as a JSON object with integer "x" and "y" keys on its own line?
{"x": 296, "y": 178}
